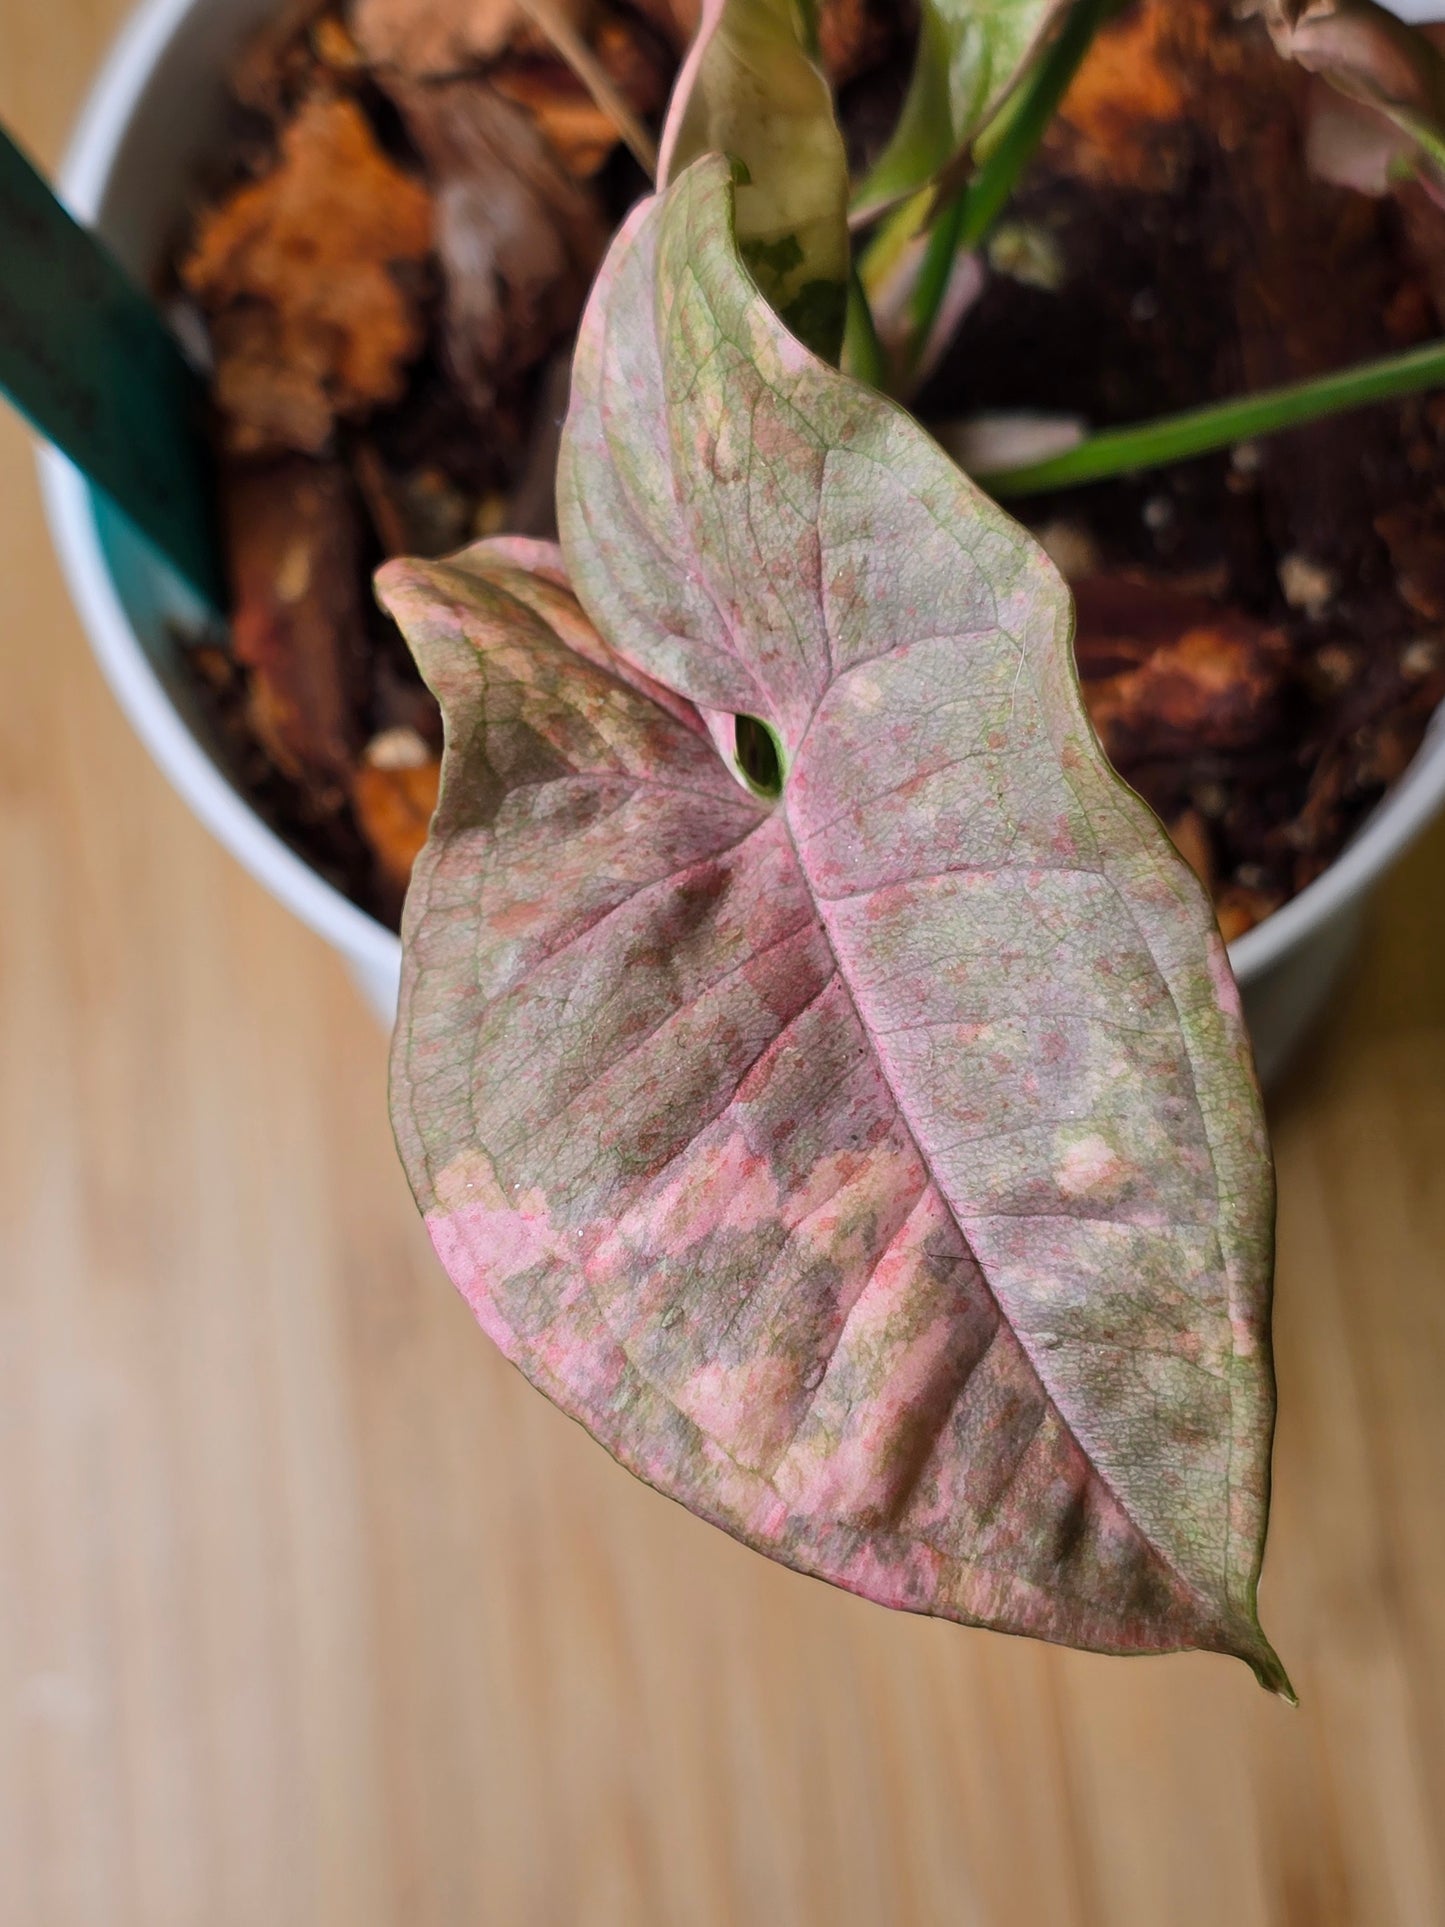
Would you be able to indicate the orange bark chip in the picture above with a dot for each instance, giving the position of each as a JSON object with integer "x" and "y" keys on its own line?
{"x": 295, "y": 273}
{"x": 394, "y": 809}
{"x": 1123, "y": 97}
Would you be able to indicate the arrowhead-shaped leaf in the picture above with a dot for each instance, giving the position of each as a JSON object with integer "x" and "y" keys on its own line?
{"x": 970, "y": 53}
{"x": 748, "y": 89}
{"x": 876, "y": 1167}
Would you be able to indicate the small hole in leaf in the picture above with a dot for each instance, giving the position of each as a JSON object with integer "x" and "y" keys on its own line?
{"x": 758, "y": 755}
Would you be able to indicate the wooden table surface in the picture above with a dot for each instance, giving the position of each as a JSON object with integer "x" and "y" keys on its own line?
{"x": 312, "y": 1611}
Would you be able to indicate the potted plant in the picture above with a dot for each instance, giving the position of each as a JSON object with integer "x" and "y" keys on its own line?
{"x": 150, "y": 130}
{"x": 816, "y": 1067}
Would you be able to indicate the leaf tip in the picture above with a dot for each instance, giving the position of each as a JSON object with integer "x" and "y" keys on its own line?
{"x": 1274, "y": 1679}
{"x": 1265, "y": 1664}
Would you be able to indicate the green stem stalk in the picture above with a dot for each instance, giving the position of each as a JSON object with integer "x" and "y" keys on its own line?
{"x": 1200, "y": 431}
{"x": 863, "y": 354}
{"x": 965, "y": 220}
{"x": 934, "y": 272}
{"x": 1026, "y": 120}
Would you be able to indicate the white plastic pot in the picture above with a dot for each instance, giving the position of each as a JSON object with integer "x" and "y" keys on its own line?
{"x": 154, "y": 114}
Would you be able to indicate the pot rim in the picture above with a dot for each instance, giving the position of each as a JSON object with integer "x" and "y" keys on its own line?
{"x": 84, "y": 178}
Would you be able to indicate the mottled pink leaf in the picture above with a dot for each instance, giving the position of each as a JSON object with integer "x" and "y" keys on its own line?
{"x": 878, "y": 1169}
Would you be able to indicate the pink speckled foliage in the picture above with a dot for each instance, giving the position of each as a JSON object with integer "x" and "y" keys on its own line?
{"x": 877, "y": 1168}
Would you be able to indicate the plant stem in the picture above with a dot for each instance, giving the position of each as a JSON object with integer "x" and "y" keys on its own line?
{"x": 1026, "y": 119}
{"x": 933, "y": 274}
{"x": 863, "y": 354}
{"x": 1176, "y": 438}
{"x": 964, "y": 220}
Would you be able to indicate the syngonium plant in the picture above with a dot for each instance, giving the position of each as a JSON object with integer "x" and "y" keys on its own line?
{"x": 815, "y": 1066}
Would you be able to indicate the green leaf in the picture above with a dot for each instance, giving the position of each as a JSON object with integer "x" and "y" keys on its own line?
{"x": 970, "y": 54}
{"x": 748, "y": 89}
{"x": 1179, "y": 438}
{"x": 876, "y": 1166}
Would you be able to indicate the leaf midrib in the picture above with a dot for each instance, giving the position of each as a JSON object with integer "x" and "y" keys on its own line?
{"x": 1189, "y": 1585}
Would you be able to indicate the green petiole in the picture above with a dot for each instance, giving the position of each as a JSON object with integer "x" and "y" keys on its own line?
{"x": 863, "y": 355}
{"x": 1008, "y": 146}
{"x": 1200, "y": 431}
{"x": 964, "y": 221}
{"x": 944, "y": 243}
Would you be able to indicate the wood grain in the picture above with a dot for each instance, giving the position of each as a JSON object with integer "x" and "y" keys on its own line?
{"x": 311, "y": 1611}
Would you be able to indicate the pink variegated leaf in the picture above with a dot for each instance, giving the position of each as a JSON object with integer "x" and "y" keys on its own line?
{"x": 856, "y": 1129}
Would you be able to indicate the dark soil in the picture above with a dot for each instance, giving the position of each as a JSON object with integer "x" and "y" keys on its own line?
{"x": 1260, "y": 631}
{"x": 1196, "y": 259}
